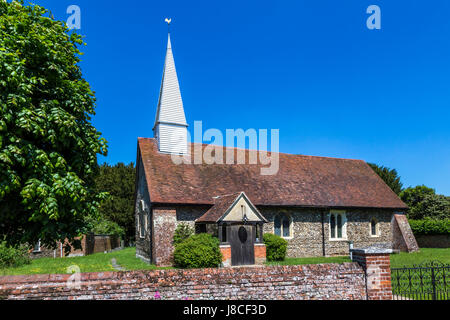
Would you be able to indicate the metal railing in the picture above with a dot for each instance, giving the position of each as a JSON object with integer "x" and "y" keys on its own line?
{"x": 427, "y": 281}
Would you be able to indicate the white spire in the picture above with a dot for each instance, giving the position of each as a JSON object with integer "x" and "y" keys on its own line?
{"x": 170, "y": 127}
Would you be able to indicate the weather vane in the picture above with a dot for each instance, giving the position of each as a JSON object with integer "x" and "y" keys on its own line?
{"x": 168, "y": 20}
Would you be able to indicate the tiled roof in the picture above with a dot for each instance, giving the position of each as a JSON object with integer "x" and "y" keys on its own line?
{"x": 301, "y": 181}
{"x": 221, "y": 205}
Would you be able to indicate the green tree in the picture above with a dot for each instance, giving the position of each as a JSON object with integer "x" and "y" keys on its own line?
{"x": 423, "y": 202}
{"x": 48, "y": 146}
{"x": 119, "y": 182}
{"x": 389, "y": 176}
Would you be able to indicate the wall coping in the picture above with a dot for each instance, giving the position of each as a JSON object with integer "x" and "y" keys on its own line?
{"x": 372, "y": 250}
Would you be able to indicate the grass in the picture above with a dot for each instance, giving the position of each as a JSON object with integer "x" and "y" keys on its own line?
{"x": 424, "y": 255}
{"x": 97, "y": 262}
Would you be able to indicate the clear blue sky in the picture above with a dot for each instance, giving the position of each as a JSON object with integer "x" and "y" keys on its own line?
{"x": 309, "y": 68}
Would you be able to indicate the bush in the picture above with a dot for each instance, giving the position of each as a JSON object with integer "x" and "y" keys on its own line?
{"x": 198, "y": 251}
{"x": 182, "y": 232}
{"x": 275, "y": 247}
{"x": 430, "y": 226}
{"x": 13, "y": 256}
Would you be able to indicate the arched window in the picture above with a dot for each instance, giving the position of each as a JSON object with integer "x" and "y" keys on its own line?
{"x": 282, "y": 226}
{"x": 374, "y": 227}
{"x": 338, "y": 226}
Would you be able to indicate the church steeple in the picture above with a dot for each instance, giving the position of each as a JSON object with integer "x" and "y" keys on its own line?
{"x": 170, "y": 127}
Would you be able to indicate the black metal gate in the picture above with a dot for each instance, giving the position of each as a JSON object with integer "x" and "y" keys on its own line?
{"x": 427, "y": 281}
{"x": 242, "y": 245}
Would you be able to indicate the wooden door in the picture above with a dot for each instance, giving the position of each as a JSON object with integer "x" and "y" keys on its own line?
{"x": 242, "y": 245}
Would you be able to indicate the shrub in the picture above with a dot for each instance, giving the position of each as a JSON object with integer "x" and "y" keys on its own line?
{"x": 13, "y": 256}
{"x": 182, "y": 232}
{"x": 275, "y": 247}
{"x": 198, "y": 251}
{"x": 430, "y": 226}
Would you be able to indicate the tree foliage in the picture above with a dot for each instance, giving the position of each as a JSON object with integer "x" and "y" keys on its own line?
{"x": 48, "y": 146}
{"x": 119, "y": 182}
{"x": 389, "y": 176}
{"x": 423, "y": 203}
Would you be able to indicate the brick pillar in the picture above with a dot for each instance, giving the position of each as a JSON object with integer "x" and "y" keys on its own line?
{"x": 164, "y": 222}
{"x": 377, "y": 266}
{"x": 226, "y": 255}
{"x": 260, "y": 253}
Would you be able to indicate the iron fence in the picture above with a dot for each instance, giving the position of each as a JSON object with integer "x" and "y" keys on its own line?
{"x": 427, "y": 281}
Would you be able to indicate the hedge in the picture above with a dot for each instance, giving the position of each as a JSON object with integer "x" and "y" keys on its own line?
{"x": 430, "y": 226}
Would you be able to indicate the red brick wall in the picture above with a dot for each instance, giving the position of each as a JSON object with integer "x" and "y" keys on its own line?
{"x": 320, "y": 281}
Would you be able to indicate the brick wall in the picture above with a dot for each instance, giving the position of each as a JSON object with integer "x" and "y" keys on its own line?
{"x": 320, "y": 281}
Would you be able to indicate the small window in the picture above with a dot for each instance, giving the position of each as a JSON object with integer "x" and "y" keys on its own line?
{"x": 374, "y": 227}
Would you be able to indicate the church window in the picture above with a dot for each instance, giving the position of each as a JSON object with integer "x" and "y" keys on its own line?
{"x": 283, "y": 225}
{"x": 338, "y": 226}
{"x": 374, "y": 227}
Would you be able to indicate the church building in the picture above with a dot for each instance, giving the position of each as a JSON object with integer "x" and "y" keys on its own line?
{"x": 320, "y": 205}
